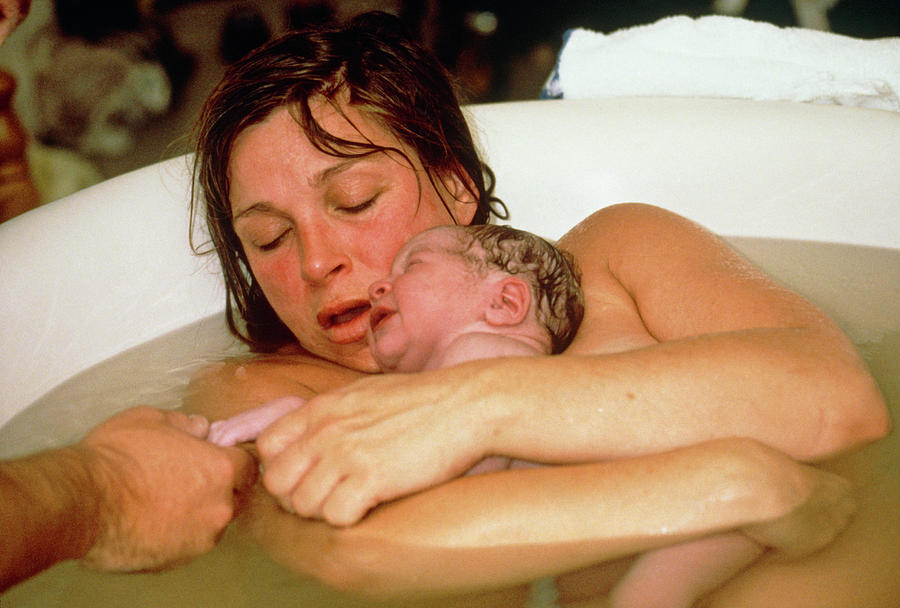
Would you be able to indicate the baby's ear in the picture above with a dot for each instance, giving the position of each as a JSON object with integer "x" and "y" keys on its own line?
{"x": 510, "y": 302}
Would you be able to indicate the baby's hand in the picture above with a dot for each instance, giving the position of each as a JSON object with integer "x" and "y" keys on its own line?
{"x": 247, "y": 426}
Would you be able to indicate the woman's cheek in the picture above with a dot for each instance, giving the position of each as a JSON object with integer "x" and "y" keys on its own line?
{"x": 277, "y": 276}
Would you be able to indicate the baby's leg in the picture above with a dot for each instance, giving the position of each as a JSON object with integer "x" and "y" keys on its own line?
{"x": 677, "y": 576}
{"x": 681, "y": 574}
{"x": 247, "y": 426}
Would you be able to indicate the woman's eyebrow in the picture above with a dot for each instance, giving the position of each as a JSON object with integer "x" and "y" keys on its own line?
{"x": 318, "y": 179}
{"x": 261, "y": 207}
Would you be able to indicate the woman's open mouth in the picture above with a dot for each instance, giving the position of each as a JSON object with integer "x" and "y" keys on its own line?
{"x": 346, "y": 322}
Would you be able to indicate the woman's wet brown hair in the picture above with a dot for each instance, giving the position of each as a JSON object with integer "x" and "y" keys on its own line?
{"x": 369, "y": 63}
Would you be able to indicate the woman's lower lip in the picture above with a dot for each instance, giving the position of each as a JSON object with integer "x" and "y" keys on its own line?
{"x": 353, "y": 330}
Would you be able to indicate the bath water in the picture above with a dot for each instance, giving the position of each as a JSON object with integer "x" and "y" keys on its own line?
{"x": 857, "y": 286}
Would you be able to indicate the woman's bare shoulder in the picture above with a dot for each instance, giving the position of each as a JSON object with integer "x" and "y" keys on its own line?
{"x": 611, "y": 322}
{"x": 635, "y": 244}
{"x": 682, "y": 279}
{"x": 236, "y": 384}
{"x": 617, "y": 229}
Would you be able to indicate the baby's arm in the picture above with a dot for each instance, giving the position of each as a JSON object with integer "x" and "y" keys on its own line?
{"x": 247, "y": 426}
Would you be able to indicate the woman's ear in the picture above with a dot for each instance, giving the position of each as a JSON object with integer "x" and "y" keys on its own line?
{"x": 509, "y": 303}
{"x": 462, "y": 201}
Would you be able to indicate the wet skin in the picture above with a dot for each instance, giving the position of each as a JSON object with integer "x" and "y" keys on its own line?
{"x": 318, "y": 230}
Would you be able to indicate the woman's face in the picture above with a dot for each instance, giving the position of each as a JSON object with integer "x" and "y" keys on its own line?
{"x": 318, "y": 229}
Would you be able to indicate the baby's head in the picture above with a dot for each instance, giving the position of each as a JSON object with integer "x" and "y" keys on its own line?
{"x": 551, "y": 272}
{"x": 454, "y": 279}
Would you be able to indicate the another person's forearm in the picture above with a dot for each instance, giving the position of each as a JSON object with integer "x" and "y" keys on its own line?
{"x": 50, "y": 512}
{"x": 772, "y": 385}
{"x": 141, "y": 491}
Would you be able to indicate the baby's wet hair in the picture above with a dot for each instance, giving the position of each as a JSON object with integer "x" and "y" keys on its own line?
{"x": 552, "y": 273}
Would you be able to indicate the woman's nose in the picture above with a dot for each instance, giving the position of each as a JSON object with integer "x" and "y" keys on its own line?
{"x": 321, "y": 259}
{"x": 379, "y": 289}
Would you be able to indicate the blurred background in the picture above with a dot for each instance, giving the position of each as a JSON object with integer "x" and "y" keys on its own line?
{"x": 101, "y": 87}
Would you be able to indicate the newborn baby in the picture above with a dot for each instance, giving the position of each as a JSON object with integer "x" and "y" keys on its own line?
{"x": 455, "y": 294}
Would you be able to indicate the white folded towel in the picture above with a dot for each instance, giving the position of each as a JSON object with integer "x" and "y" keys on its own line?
{"x": 719, "y": 56}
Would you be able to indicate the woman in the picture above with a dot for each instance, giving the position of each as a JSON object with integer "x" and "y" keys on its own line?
{"x": 319, "y": 156}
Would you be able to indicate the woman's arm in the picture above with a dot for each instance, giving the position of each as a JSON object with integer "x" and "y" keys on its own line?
{"x": 739, "y": 354}
{"x": 725, "y": 351}
{"x": 500, "y": 529}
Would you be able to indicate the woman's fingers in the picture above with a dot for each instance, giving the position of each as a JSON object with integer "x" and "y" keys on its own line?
{"x": 283, "y": 472}
{"x": 348, "y": 502}
{"x": 317, "y": 482}
{"x": 311, "y": 492}
{"x": 282, "y": 434}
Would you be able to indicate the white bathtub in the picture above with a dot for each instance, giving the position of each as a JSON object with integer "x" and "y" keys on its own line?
{"x": 109, "y": 268}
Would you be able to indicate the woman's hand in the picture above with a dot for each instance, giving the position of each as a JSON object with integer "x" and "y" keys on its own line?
{"x": 377, "y": 439}
{"x": 814, "y": 522}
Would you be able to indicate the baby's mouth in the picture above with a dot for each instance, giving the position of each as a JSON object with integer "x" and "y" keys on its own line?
{"x": 378, "y": 316}
{"x": 333, "y": 317}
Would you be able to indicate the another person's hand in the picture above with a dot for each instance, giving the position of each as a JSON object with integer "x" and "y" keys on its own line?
{"x": 166, "y": 493}
{"x": 377, "y": 439}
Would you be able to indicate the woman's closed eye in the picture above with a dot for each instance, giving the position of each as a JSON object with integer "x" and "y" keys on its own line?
{"x": 262, "y": 231}
{"x": 357, "y": 208}
{"x": 273, "y": 243}
{"x": 262, "y": 237}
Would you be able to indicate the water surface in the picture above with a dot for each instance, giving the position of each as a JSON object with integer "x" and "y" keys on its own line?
{"x": 857, "y": 286}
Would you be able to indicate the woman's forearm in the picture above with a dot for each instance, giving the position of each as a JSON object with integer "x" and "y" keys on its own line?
{"x": 773, "y": 385}
{"x": 793, "y": 389}
{"x": 510, "y": 527}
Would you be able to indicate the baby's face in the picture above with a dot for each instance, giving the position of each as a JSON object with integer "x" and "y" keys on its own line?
{"x": 429, "y": 298}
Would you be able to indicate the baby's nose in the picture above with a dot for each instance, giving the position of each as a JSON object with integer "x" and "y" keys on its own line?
{"x": 379, "y": 289}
